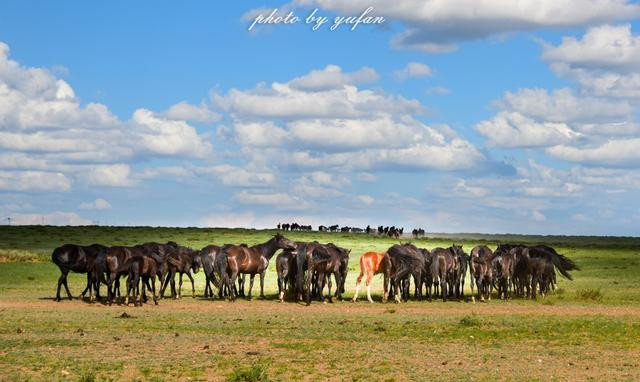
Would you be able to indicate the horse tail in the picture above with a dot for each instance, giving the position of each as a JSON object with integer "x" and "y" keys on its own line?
{"x": 561, "y": 262}
{"x": 220, "y": 267}
{"x": 435, "y": 268}
{"x": 301, "y": 260}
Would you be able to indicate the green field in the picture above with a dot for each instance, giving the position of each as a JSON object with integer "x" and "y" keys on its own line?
{"x": 588, "y": 330}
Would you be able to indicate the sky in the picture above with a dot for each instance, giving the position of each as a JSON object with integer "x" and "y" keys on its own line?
{"x": 457, "y": 116}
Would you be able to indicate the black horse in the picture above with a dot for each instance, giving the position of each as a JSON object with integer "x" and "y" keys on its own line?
{"x": 78, "y": 259}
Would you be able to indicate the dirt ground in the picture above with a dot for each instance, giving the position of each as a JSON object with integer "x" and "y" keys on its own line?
{"x": 192, "y": 339}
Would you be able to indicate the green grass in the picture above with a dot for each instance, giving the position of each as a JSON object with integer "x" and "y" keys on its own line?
{"x": 587, "y": 329}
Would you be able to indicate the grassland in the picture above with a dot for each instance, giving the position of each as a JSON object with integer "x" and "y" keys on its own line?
{"x": 588, "y": 330}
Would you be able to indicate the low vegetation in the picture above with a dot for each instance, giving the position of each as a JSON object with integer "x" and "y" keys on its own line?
{"x": 586, "y": 329}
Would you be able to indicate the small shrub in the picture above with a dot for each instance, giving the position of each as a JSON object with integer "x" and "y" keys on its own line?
{"x": 89, "y": 376}
{"x": 22, "y": 256}
{"x": 254, "y": 373}
{"x": 589, "y": 294}
{"x": 470, "y": 320}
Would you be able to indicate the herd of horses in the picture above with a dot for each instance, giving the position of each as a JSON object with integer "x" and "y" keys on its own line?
{"x": 304, "y": 269}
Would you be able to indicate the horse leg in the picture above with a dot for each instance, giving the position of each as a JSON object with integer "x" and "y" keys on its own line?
{"x": 385, "y": 286}
{"x": 88, "y": 288}
{"x": 262, "y": 283}
{"x": 193, "y": 286}
{"x": 180, "y": 285}
{"x": 328, "y": 277}
{"x": 358, "y": 281}
{"x": 153, "y": 289}
{"x": 280, "y": 288}
{"x": 251, "y": 277}
{"x": 368, "y": 285}
{"x": 66, "y": 286}
{"x": 143, "y": 296}
{"x": 60, "y": 282}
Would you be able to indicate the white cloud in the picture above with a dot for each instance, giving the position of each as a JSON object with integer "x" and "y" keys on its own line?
{"x": 98, "y": 204}
{"x": 277, "y": 200}
{"x": 365, "y": 199}
{"x": 233, "y": 176}
{"x": 538, "y": 216}
{"x": 34, "y": 181}
{"x": 341, "y": 127}
{"x": 366, "y": 177}
{"x": 613, "y": 152}
{"x": 414, "y": 70}
{"x": 601, "y": 47}
{"x": 439, "y": 90}
{"x": 332, "y": 77}
{"x": 169, "y": 137}
{"x": 512, "y": 129}
{"x": 116, "y": 175}
{"x": 54, "y": 218}
{"x": 43, "y": 126}
{"x": 604, "y": 62}
{"x": 436, "y": 26}
{"x": 562, "y": 105}
{"x": 187, "y": 112}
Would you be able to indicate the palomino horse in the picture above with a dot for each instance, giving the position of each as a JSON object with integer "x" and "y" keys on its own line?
{"x": 235, "y": 259}
{"x": 373, "y": 263}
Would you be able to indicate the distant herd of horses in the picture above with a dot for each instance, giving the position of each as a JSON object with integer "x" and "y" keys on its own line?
{"x": 395, "y": 232}
{"x": 304, "y": 269}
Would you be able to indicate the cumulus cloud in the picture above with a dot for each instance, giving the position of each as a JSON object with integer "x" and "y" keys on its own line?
{"x": 34, "y": 181}
{"x": 437, "y": 26}
{"x": 414, "y": 70}
{"x": 187, "y": 112}
{"x": 341, "y": 127}
{"x": 98, "y": 204}
{"x": 277, "y": 200}
{"x": 605, "y": 61}
{"x": 116, "y": 175}
{"x": 512, "y": 129}
{"x": 613, "y": 152}
{"x": 601, "y": 47}
{"x": 332, "y": 77}
{"x": 44, "y": 126}
{"x": 53, "y": 218}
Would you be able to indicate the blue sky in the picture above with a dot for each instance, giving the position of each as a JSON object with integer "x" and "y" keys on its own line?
{"x": 506, "y": 118}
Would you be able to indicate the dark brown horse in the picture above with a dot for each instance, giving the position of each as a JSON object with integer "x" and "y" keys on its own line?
{"x": 444, "y": 269}
{"x": 337, "y": 266}
{"x": 182, "y": 261}
{"x": 310, "y": 258}
{"x": 145, "y": 268}
{"x": 77, "y": 259}
{"x": 286, "y": 267}
{"x": 406, "y": 261}
{"x": 239, "y": 259}
{"x": 481, "y": 271}
{"x": 208, "y": 256}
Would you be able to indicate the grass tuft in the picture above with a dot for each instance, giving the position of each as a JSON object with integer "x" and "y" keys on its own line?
{"x": 471, "y": 320}
{"x": 254, "y": 373}
{"x": 89, "y": 376}
{"x": 22, "y": 256}
{"x": 589, "y": 295}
